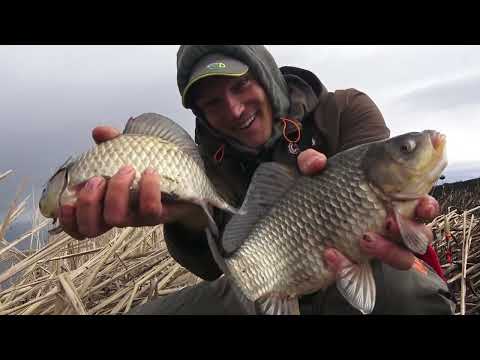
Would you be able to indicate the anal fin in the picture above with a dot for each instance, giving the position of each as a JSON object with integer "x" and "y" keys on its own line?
{"x": 275, "y": 304}
{"x": 357, "y": 285}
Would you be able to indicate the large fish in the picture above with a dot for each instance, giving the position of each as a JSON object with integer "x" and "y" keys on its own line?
{"x": 148, "y": 141}
{"x": 274, "y": 253}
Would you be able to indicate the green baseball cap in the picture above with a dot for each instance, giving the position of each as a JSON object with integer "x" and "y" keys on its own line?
{"x": 214, "y": 65}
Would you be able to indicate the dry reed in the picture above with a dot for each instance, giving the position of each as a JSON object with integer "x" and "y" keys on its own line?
{"x": 123, "y": 268}
{"x": 457, "y": 241}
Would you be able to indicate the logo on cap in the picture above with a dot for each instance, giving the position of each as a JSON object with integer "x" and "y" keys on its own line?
{"x": 216, "y": 66}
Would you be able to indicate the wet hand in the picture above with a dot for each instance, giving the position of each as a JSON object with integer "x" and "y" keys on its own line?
{"x": 103, "y": 204}
{"x": 383, "y": 247}
{"x": 311, "y": 162}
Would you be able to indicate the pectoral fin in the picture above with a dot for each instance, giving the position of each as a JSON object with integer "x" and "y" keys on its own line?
{"x": 357, "y": 286}
{"x": 416, "y": 236}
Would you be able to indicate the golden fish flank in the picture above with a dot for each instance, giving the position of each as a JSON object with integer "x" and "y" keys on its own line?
{"x": 274, "y": 253}
{"x": 148, "y": 141}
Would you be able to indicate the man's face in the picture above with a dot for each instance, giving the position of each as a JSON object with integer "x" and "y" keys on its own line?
{"x": 237, "y": 107}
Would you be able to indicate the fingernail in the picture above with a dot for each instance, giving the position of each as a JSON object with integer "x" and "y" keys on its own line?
{"x": 66, "y": 211}
{"x": 93, "y": 183}
{"x": 311, "y": 162}
{"x": 331, "y": 256}
{"x": 430, "y": 210}
{"x": 368, "y": 238}
{"x": 315, "y": 161}
{"x": 331, "y": 260}
{"x": 125, "y": 170}
{"x": 149, "y": 171}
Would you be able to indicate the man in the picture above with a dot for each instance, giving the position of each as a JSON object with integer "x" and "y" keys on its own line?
{"x": 249, "y": 111}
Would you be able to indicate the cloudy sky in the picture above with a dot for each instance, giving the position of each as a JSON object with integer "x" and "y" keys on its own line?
{"x": 51, "y": 97}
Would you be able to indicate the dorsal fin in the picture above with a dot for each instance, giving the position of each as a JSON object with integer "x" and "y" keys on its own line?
{"x": 268, "y": 184}
{"x": 153, "y": 124}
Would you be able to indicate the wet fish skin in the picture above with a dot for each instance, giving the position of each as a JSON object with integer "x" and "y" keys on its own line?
{"x": 148, "y": 141}
{"x": 180, "y": 175}
{"x": 275, "y": 253}
{"x": 286, "y": 248}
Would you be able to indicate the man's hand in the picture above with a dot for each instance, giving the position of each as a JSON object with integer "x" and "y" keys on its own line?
{"x": 311, "y": 162}
{"x": 103, "y": 204}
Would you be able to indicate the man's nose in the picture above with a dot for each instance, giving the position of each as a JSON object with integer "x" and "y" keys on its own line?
{"x": 235, "y": 105}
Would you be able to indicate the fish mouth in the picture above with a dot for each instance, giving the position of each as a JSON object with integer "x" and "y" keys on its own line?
{"x": 438, "y": 140}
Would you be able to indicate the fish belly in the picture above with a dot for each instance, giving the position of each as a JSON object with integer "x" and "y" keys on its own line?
{"x": 284, "y": 251}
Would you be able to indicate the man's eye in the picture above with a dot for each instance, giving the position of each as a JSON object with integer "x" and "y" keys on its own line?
{"x": 244, "y": 82}
{"x": 210, "y": 103}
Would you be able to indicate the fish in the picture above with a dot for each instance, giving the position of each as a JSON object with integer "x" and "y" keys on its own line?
{"x": 273, "y": 252}
{"x": 148, "y": 141}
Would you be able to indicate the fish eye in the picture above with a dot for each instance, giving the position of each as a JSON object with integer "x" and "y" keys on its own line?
{"x": 408, "y": 146}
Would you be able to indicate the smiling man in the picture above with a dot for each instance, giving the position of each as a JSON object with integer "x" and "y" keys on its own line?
{"x": 231, "y": 100}
{"x": 249, "y": 111}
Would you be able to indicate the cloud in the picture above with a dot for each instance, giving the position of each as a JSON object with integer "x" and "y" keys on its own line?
{"x": 52, "y": 96}
{"x": 443, "y": 95}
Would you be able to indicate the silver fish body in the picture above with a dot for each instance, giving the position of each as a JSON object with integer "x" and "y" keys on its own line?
{"x": 275, "y": 253}
{"x": 285, "y": 250}
{"x": 149, "y": 141}
{"x": 181, "y": 177}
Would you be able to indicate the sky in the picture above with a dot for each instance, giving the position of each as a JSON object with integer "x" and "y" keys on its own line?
{"x": 52, "y": 96}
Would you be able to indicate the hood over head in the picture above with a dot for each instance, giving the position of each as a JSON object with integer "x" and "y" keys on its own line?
{"x": 293, "y": 92}
{"x": 259, "y": 60}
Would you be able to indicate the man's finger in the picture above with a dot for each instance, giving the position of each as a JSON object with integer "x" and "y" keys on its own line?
{"x": 386, "y": 251}
{"x": 311, "y": 162}
{"x": 150, "y": 205}
{"x": 393, "y": 231}
{"x": 427, "y": 208}
{"x": 104, "y": 133}
{"x": 89, "y": 208}
{"x": 116, "y": 211}
{"x": 335, "y": 260}
{"x": 68, "y": 220}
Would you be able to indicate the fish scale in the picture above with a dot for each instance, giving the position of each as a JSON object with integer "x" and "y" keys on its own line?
{"x": 286, "y": 243}
{"x": 143, "y": 152}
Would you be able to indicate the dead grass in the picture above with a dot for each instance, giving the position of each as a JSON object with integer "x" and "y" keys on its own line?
{"x": 123, "y": 268}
